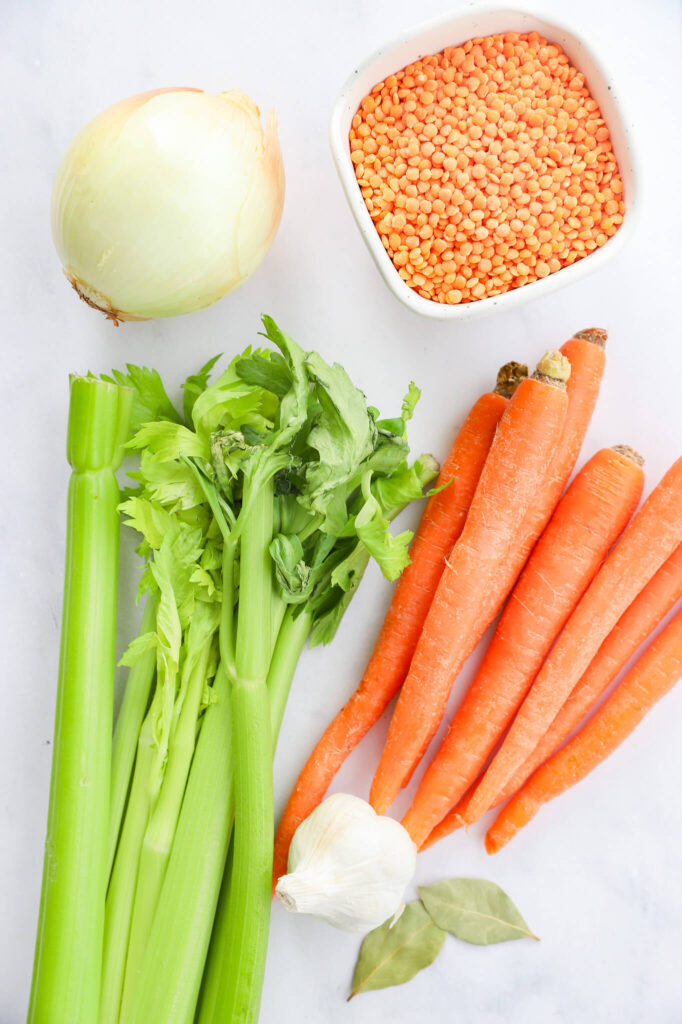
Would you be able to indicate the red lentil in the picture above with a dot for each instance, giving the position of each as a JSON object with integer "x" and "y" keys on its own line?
{"x": 500, "y": 125}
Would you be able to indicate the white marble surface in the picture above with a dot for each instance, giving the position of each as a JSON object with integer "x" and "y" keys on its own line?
{"x": 598, "y": 873}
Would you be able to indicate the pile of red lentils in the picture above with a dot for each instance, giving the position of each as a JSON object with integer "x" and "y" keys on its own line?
{"x": 485, "y": 167}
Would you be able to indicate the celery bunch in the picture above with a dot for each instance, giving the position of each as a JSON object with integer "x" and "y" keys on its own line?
{"x": 259, "y": 509}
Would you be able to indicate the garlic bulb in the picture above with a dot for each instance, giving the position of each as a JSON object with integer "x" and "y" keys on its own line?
{"x": 166, "y": 201}
{"x": 348, "y": 865}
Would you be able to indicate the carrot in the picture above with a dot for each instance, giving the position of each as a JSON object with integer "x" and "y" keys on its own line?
{"x": 585, "y": 352}
{"x": 651, "y": 606}
{"x": 466, "y": 600}
{"x": 656, "y": 672}
{"x": 439, "y": 528}
{"x": 648, "y": 542}
{"x": 453, "y": 820}
{"x": 587, "y": 521}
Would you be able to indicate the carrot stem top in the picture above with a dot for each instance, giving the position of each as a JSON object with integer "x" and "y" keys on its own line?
{"x": 509, "y": 377}
{"x": 629, "y": 453}
{"x": 594, "y": 334}
{"x": 553, "y": 367}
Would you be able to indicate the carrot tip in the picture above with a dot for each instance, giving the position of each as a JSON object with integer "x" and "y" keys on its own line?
{"x": 594, "y": 334}
{"x": 491, "y": 846}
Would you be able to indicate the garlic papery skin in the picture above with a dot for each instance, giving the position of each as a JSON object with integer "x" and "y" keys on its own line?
{"x": 167, "y": 201}
{"x": 348, "y": 865}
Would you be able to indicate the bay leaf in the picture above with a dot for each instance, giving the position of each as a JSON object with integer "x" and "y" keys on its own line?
{"x": 391, "y": 956}
{"x": 475, "y": 910}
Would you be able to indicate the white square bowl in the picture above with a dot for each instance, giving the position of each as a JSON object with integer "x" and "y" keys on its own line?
{"x": 431, "y": 37}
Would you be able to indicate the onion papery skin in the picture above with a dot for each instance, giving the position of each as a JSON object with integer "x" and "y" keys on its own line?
{"x": 167, "y": 201}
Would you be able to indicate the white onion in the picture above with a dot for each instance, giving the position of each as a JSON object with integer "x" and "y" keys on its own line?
{"x": 167, "y": 201}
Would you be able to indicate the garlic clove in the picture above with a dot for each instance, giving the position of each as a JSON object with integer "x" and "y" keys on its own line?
{"x": 348, "y": 865}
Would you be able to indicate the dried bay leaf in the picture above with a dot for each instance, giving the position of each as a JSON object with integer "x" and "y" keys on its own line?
{"x": 391, "y": 956}
{"x": 475, "y": 910}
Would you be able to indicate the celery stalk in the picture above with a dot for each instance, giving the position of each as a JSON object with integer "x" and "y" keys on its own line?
{"x": 170, "y": 975}
{"x": 281, "y": 439}
{"x": 250, "y": 889}
{"x": 290, "y": 643}
{"x": 127, "y": 730}
{"x": 249, "y": 896}
{"x": 121, "y": 894}
{"x": 162, "y": 824}
{"x": 226, "y": 634}
{"x": 279, "y": 607}
{"x": 288, "y": 648}
{"x": 168, "y": 985}
{"x": 67, "y": 967}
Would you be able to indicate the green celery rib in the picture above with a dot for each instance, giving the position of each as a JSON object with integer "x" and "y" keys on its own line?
{"x": 160, "y": 830}
{"x": 248, "y": 905}
{"x": 279, "y": 608}
{"x": 253, "y": 643}
{"x": 226, "y": 635}
{"x": 248, "y": 910}
{"x": 127, "y": 730}
{"x": 121, "y": 894}
{"x": 174, "y": 960}
{"x": 67, "y": 966}
{"x": 290, "y": 643}
{"x": 171, "y": 971}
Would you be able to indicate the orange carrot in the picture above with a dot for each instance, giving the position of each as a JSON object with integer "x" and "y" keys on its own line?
{"x": 465, "y": 601}
{"x": 439, "y": 528}
{"x": 452, "y": 821}
{"x": 652, "y": 605}
{"x": 648, "y": 542}
{"x": 586, "y": 523}
{"x": 585, "y": 352}
{"x": 653, "y": 675}
{"x": 659, "y": 596}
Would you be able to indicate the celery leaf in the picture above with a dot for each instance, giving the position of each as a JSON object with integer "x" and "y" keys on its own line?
{"x": 150, "y": 401}
{"x": 195, "y": 384}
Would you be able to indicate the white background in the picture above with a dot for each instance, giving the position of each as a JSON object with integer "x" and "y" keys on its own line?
{"x": 597, "y": 875}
